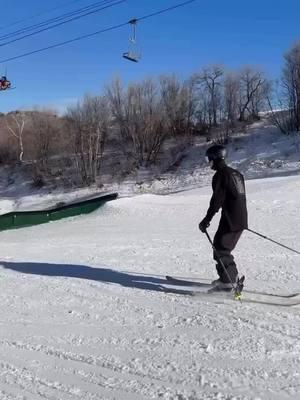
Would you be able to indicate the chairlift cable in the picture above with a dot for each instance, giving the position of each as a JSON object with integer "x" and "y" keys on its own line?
{"x": 111, "y": 28}
{"x": 54, "y": 19}
{"x": 39, "y": 14}
{"x": 185, "y": 3}
{"x": 65, "y": 42}
{"x": 62, "y": 23}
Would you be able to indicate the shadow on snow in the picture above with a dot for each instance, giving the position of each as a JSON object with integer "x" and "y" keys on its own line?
{"x": 105, "y": 275}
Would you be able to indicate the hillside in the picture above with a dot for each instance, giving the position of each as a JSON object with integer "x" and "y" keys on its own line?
{"x": 259, "y": 152}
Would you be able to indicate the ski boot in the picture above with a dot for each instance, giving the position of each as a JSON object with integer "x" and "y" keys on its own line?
{"x": 239, "y": 288}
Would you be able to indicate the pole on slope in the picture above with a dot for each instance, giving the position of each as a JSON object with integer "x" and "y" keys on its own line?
{"x": 274, "y": 241}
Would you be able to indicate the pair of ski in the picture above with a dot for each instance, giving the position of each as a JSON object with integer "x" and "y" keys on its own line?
{"x": 198, "y": 288}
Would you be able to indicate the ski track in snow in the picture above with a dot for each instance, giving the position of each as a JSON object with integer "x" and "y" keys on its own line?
{"x": 82, "y": 317}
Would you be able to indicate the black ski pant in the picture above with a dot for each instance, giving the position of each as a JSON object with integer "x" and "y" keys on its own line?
{"x": 224, "y": 242}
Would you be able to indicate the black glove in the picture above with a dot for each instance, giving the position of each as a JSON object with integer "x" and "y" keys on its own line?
{"x": 204, "y": 224}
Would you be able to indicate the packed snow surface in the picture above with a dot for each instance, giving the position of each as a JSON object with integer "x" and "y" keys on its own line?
{"x": 82, "y": 316}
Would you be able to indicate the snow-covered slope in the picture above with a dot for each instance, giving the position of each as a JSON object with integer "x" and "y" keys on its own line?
{"x": 82, "y": 317}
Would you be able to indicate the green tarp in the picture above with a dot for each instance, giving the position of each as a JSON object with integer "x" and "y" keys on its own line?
{"x": 28, "y": 218}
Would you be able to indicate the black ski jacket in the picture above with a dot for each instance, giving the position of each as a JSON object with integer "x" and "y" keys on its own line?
{"x": 229, "y": 194}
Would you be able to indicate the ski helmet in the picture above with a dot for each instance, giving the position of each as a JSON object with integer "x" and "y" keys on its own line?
{"x": 216, "y": 152}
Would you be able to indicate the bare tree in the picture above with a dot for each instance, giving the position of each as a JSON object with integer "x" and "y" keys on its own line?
{"x": 179, "y": 102}
{"x": 42, "y": 141}
{"x": 252, "y": 90}
{"x": 291, "y": 84}
{"x": 190, "y": 104}
{"x": 89, "y": 122}
{"x": 259, "y": 101}
{"x": 139, "y": 117}
{"x": 203, "y": 119}
{"x": 282, "y": 118}
{"x": 118, "y": 101}
{"x": 211, "y": 81}
{"x": 171, "y": 99}
{"x": 44, "y": 130}
{"x": 15, "y": 123}
{"x": 231, "y": 97}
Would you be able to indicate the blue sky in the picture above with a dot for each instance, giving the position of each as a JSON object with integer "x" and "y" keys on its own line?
{"x": 230, "y": 32}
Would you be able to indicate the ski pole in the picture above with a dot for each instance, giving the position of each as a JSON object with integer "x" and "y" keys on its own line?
{"x": 235, "y": 288}
{"x": 273, "y": 241}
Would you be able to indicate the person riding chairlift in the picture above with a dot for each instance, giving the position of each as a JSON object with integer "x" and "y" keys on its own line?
{"x": 4, "y": 83}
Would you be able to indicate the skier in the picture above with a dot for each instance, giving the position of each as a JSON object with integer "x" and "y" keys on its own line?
{"x": 228, "y": 194}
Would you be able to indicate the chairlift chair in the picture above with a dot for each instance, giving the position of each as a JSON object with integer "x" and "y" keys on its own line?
{"x": 5, "y": 84}
{"x": 132, "y": 54}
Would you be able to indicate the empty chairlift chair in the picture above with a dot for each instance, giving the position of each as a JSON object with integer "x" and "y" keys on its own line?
{"x": 132, "y": 54}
